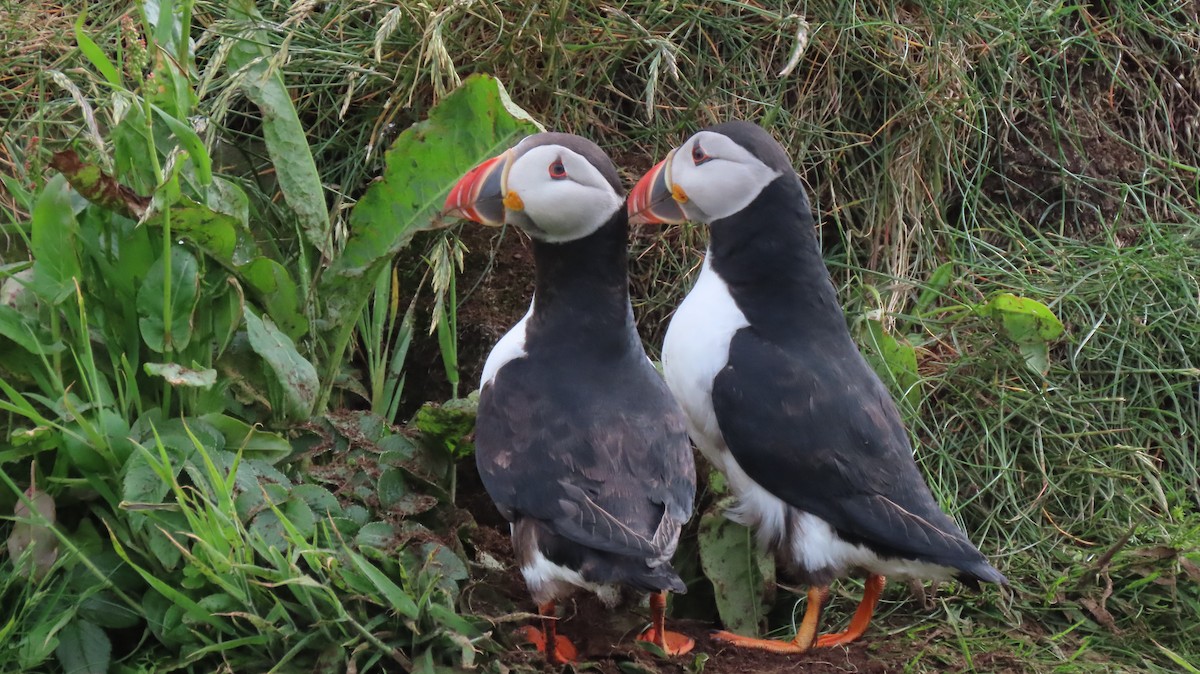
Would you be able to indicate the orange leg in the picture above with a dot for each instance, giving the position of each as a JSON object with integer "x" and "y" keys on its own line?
{"x": 862, "y": 615}
{"x": 806, "y": 634}
{"x": 673, "y": 643}
{"x": 558, "y": 649}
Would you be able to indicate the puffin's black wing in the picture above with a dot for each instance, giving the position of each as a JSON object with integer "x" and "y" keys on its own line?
{"x": 598, "y": 454}
{"x": 814, "y": 426}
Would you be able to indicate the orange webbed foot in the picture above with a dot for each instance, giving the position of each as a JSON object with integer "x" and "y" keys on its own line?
{"x": 769, "y": 645}
{"x": 835, "y": 639}
{"x": 672, "y": 643}
{"x": 564, "y": 651}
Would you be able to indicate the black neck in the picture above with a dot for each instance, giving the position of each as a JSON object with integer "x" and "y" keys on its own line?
{"x": 582, "y": 288}
{"x": 769, "y": 256}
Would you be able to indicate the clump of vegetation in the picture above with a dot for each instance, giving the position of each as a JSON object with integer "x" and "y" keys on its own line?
{"x": 196, "y": 269}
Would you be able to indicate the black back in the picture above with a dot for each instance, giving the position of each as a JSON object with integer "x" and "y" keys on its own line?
{"x": 582, "y": 433}
{"x": 800, "y": 409}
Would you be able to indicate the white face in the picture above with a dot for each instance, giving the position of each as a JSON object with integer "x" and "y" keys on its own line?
{"x": 718, "y": 176}
{"x": 562, "y": 196}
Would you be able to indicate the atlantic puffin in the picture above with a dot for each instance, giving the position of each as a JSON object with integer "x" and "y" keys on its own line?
{"x": 777, "y": 394}
{"x": 578, "y": 440}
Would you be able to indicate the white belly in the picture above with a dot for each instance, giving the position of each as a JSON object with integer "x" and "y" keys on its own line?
{"x": 694, "y": 351}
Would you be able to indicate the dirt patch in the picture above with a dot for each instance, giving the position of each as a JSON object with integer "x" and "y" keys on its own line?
{"x": 1065, "y": 164}
{"x": 494, "y": 289}
{"x": 495, "y": 286}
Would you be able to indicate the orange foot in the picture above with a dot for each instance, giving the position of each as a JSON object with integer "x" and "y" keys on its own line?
{"x": 770, "y": 645}
{"x": 836, "y": 639}
{"x": 564, "y": 651}
{"x": 673, "y": 643}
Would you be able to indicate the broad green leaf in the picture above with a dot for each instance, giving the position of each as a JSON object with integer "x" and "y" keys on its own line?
{"x": 86, "y": 457}
{"x": 471, "y": 124}
{"x": 83, "y": 648}
{"x": 164, "y": 535}
{"x": 52, "y": 240}
{"x": 272, "y": 285}
{"x": 226, "y": 309}
{"x": 122, "y": 251}
{"x": 191, "y": 142}
{"x": 297, "y": 377}
{"x": 230, "y": 199}
{"x": 178, "y": 375}
{"x": 319, "y": 499}
{"x": 743, "y": 577}
{"x": 1029, "y": 323}
{"x": 396, "y": 450}
{"x": 894, "y": 360}
{"x": 1024, "y": 319}
{"x": 94, "y": 54}
{"x": 379, "y": 535}
{"x": 391, "y": 487}
{"x": 252, "y": 442}
{"x": 445, "y": 564}
{"x": 185, "y": 289}
{"x": 26, "y": 332}
{"x": 132, "y": 146}
{"x": 164, "y": 618}
{"x": 141, "y": 485}
{"x": 286, "y": 141}
{"x": 275, "y": 527}
{"x": 215, "y": 233}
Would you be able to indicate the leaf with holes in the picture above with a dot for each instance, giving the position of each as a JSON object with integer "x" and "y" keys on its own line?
{"x": 1029, "y": 323}
{"x": 296, "y": 376}
{"x": 742, "y": 576}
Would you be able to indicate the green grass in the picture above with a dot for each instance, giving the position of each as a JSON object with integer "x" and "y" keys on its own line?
{"x": 1047, "y": 149}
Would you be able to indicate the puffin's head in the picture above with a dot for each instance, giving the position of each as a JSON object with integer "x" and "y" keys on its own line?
{"x": 555, "y": 186}
{"x": 714, "y": 174}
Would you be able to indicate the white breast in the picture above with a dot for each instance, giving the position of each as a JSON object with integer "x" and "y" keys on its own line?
{"x": 695, "y": 350}
{"x": 510, "y": 346}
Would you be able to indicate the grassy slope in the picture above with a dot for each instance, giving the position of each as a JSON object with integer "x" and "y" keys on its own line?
{"x": 1046, "y": 149}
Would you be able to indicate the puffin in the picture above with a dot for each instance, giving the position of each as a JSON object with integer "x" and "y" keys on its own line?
{"x": 578, "y": 441}
{"x": 778, "y": 396}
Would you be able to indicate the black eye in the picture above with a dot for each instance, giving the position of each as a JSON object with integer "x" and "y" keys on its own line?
{"x": 699, "y": 156}
{"x": 557, "y": 170}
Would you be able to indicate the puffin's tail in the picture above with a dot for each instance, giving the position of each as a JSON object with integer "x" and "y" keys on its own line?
{"x": 636, "y": 573}
{"x": 980, "y": 572}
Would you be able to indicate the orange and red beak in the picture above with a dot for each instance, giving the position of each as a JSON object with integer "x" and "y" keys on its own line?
{"x": 479, "y": 195}
{"x": 655, "y": 200}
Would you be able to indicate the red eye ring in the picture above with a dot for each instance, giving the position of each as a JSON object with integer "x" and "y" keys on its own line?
{"x": 557, "y": 170}
{"x": 699, "y": 156}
